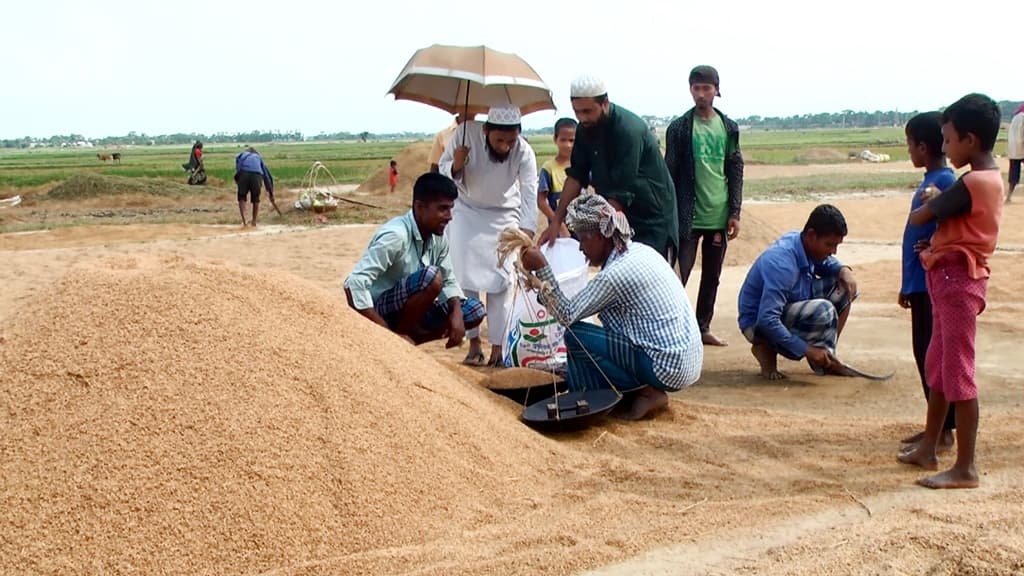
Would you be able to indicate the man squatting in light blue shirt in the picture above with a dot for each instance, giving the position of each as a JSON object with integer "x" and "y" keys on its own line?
{"x": 404, "y": 280}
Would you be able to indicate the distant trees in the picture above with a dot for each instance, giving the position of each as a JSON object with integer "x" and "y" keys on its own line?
{"x": 844, "y": 119}
{"x": 137, "y": 139}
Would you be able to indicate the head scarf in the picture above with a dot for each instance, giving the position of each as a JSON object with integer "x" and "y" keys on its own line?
{"x": 589, "y": 212}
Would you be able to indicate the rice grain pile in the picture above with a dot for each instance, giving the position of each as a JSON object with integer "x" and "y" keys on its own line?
{"x": 162, "y": 415}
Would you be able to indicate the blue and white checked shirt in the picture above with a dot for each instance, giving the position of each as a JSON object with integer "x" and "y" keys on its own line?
{"x": 638, "y": 295}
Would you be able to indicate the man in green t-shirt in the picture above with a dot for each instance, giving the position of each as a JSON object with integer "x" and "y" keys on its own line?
{"x": 703, "y": 157}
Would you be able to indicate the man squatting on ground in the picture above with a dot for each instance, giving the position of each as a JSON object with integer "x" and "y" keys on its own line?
{"x": 648, "y": 341}
{"x": 796, "y": 297}
{"x": 404, "y": 281}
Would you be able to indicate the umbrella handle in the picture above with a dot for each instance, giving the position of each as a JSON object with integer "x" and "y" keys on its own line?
{"x": 465, "y": 113}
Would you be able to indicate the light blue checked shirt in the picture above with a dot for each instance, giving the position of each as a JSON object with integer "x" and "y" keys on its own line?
{"x": 638, "y": 295}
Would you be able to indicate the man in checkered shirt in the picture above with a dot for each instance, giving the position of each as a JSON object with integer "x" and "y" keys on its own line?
{"x": 649, "y": 341}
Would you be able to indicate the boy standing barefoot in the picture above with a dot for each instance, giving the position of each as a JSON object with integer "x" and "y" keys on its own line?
{"x": 968, "y": 215}
{"x": 924, "y": 144}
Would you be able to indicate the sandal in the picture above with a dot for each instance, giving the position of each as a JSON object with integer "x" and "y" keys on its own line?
{"x": 474, "y": 359}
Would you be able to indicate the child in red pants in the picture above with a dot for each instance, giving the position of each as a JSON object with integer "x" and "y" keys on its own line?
{"x": 956, "y": 261}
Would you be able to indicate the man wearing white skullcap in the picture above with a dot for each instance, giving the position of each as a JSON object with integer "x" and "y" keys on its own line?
{"x": 496, "y": 172}
{"x": 616, "y": 153}
{"x": 648, "y": 340}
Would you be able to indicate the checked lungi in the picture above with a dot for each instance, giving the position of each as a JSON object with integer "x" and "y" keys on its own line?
{"x": 390, "y": 304}
{"x": 816, "y": 320}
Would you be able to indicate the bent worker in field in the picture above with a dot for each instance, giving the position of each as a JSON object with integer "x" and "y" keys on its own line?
{"x": 796, "y": 297}
{"x": 649, "y": 341}
{"x": 404, "y": 281}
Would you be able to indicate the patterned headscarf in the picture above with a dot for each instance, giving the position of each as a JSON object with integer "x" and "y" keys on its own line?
{"x": 592, "y": 212}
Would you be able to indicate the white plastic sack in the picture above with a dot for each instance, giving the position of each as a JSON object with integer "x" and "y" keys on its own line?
{"x": 536, "y": 339}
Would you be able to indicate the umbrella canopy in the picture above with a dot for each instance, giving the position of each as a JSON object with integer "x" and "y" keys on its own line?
{"x": 471, "y": 79}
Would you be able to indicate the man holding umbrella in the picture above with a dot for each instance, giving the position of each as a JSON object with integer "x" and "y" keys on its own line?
{"x": 496, "y": 173}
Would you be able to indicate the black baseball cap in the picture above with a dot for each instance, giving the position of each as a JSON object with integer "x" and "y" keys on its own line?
{"x": 704, "y": 74}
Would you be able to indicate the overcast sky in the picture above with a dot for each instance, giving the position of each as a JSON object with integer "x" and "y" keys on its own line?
{"x": 109, "y": 67}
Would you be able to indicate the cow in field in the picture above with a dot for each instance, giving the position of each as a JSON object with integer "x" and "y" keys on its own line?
{"x": 116, "y": 157}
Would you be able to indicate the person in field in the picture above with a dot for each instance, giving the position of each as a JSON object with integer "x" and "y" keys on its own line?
{"x": 405, "y": 281}
{"x": 250, "y": 174}
{"x": 616, "y": 153}
{"x": 195, "y": 166}
{"x": 648, "y": 342}
{"x": 968, "y": 215}
{"x": 702, "y": 152}
{"x": 924, "y": 145}
{"x": 441, "y": 140}
{"x": 552, "y": 173}
{"x": 1015, "y": 149}
{"x": 796, "y": 297}
{"x": 496, "y": 172}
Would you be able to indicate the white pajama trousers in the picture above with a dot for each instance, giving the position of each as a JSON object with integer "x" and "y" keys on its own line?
{"x": 499, "y": 307}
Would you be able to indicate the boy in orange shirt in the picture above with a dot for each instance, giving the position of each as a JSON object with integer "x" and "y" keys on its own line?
{"x": 956, "y": 261}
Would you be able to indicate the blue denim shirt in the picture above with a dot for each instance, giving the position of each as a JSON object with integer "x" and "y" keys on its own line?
{"x": 781, "y": 275}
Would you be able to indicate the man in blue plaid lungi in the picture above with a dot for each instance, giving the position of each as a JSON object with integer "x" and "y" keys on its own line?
{"x": 649, "y": 341}
{"x": 404, "y": 281}
{"x": 796, "y": 297}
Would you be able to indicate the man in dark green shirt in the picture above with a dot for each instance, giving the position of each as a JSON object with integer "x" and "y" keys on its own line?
{"x": 616, "y": 153}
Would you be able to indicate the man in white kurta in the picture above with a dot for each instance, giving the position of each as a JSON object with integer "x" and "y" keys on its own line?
{"x": 496, "y": 172}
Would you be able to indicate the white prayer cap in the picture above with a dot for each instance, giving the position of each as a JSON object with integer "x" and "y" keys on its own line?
{"x": 504, "y": 115}
{"x": 587, "y": 87}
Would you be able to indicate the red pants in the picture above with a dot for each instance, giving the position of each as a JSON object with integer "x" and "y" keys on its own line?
{"x": 957, "y": 300}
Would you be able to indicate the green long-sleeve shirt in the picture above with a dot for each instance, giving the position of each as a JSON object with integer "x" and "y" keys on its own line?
{"x": 621, "y": 158}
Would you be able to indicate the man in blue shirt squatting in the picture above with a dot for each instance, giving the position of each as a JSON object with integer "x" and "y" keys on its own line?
{"x": 404, "y": 281}
{"x": 796, "y": 297}
{"x": 649, "y": 341}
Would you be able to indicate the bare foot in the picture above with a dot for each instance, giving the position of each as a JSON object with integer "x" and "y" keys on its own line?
{"x": 951, "y": 478}
{"x": 646, "y": 402}
{"x": 768, "y": 360}
{"x": 946, "y": 442}
{"x": 914, "y": 439}
{"x": 710, "y": 339}
{"x": 919, "y": 457}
